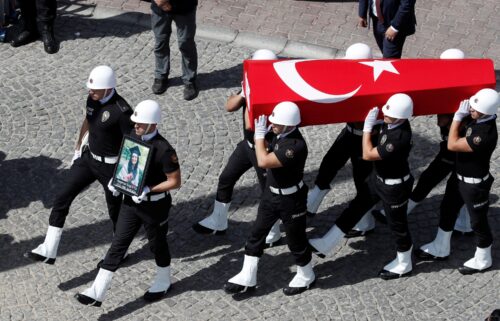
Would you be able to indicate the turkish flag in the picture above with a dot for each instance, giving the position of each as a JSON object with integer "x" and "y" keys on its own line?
{"x": 335, "y": 91}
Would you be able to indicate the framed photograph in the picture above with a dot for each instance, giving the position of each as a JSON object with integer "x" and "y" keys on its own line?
{"x": 132, "y": 166}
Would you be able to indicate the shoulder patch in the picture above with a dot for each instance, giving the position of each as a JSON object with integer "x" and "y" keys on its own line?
{"x": 476, "y": 140}
{"x": 123, "y": 105}
{"x": 289, "y": 153}
{"x": 389, "y": 147}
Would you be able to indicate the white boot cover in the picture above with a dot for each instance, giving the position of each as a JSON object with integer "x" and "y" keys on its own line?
{"x": 326, "y": 244}
{"x": 401, "y": 264}
{"x": 217, "y": 221}
{"x": 101, "y": 284}
{"x": 304, "y": 276}
{"x": 440, "y": 247}
{"x": 248, "y": 274}
{"x": 49, "y": 246}
{"x": 161, "y": 282}
{"x": 462, "y": 223}
{"x": 481, "y": 260}
{"x": 274, "y": 234}
{"x": 314, "y": 198}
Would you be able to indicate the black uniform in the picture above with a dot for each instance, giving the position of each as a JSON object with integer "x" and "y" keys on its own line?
{"x": 438, "y": 169}
{"x": 240, "y": 161}
{"x": 390, "y": 181}
{"x": 472, "y": 181}
{"x": 152, "y": 212}
{"x": 107, "y": 124}
{"x": 348, "y": 145}
{"x": 43, "y": 11}
{"x": 285, "y": 198}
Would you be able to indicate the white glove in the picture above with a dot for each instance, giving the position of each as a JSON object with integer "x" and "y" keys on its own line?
{"x": 112, "y": 189}
{"x": 370, "y": 120}
{"x": 462, "y": 111}
{"x": 260, "y": 127}
{"x": 140, "y": 198}
{"x": 76, "y": 156}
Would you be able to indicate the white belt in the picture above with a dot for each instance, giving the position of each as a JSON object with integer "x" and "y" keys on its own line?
{"x": 472, "y": 180}
{"x": 357, "y": 132}
{"x": 156, "y": 197}
{"x": 249, "y": 144}
{"x": 288, "y": 190}
{"x": 107, "y": 160}
{"x": 393, "y": 181}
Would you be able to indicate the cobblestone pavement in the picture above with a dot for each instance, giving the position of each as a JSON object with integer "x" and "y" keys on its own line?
{"x": 42, "y": 105}
{"x": 473, "y": 26}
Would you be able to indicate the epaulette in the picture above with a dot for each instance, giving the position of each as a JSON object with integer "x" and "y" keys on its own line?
{"x": 123, "y": 105}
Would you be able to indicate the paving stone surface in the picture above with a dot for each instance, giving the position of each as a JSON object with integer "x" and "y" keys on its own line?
{"x": 42, "y": 105}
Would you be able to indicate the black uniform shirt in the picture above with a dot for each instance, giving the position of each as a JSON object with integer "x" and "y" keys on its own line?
{"x": 247, "y": 133}
{"x": 482, "y": 138}
{"x": 107, "y": 124}
{"x": 181, "y": 7}
{"x": 443, "y": 146}
{"x": 163, "y": 160}
{"x": 291, "y": 151}
{"x": 394, "y": 148}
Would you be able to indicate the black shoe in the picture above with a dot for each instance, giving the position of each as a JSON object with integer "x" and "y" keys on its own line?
{"x": 429, "y": 257}
{"x": 159, "y": 86}
{"x": 23, "y": 38}
{"x": 39, "y": 258}
{"x": 232, "y": 288}
{"x": 379, "y": 216}
{"x": 83, "y": 299}
{"x": 200, "y": 229}
{"x": 310, "y": 214}
{"x": 190, "y": 91}
{"x": 155, "y": 296}
{"x": 469, "y": 271}
{"x": 387, "y": 275}
{"x": 293, "y": 291}
{"x": 356, "y": 233}
{"x": 50, "y": 44}
{"x": 315, "y": 251}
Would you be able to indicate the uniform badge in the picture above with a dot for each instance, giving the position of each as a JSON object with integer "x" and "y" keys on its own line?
{"x": 289, "y": 153}
{"x": 276, "y": 147}
{"x": 476, "y": 140}
{"x": 469, "y": 131}
{"x": 389, "y": 147}
{"x": 383, "y": 139}
{"x": 174, "y": 158}
{"x": 105, "y": 116}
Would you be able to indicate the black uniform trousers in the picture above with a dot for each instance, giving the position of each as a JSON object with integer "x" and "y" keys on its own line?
{"x": 154, "y": 216}
{"x": 442, "y": 165}
{"x": 390, "y": 49}
{"x": 346, "y": 146}
{"x": 43, "y": 11}
{"x": 84, "y": 172}
{"x": 394, "y": 200}
{"x": 291, "y": 209}
{"x": 476, "y": 198}
{"x": 240, "y": 161}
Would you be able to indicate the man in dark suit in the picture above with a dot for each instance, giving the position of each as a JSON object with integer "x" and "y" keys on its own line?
{"x": 393, "y": 21}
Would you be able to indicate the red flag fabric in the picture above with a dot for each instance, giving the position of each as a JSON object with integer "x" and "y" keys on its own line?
{"x": 334, "y": 91}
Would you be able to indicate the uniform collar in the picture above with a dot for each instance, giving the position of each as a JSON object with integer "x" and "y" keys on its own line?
{"x": 485, "y": 119}
{"x": 397, "y": 124}
{"x": 107, "y": 98}
{"x": 287, "y": 133}
{"x": 149, "y": 136}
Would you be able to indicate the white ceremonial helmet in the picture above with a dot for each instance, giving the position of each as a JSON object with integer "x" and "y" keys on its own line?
{"x": 485, "y": 101}
{"x": 285, "y": 113}
{"x": 101, "y": 77}
{"x": 452, "y": 53}
{"x": 358, "y": 51}
{"x": 264, "y": 54}
{"x": 398, "y": 106}
{"x": 147, "y": 112}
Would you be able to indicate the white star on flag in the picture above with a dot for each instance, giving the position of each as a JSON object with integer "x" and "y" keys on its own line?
{"x": 379, "y": 66}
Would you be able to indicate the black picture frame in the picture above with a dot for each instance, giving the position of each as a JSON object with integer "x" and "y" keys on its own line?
{"x": 129, "y": 177}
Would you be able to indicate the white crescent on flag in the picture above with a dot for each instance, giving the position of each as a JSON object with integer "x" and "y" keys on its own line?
{"x": 288, "y": 73}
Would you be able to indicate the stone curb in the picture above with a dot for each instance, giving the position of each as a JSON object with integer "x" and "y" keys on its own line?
{"x": 280, "y": 45}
